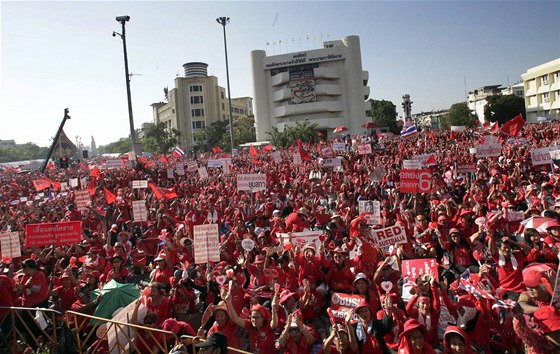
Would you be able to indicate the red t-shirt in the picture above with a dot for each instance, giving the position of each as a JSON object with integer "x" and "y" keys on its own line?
{"x": 230, "y": 331}
{"x": 7, "y": 286}
{"x": 38, "y": 280}
{"x": 163, "y": 310}
{"x": 511, "y": 279}
{"x": 260, "y": 340}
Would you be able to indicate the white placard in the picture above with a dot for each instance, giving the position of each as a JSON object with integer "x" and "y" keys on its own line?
{"x": 82, "y": 199}
{"x": 225, "y": 168}
{"x": 192, "y": 166}
{"x": 327, "y": 152}
{"x": 206, "y": 243}
{"x": 491, "y": 140}
{"x": 142, "y": 183}
{"x": 554, "y": 154}
{"x": 253, "y": 182}
{"x": 337, "y": 161}
{"x": 226, "y": 161}
{"x": 338, "y": 169}
{"x": 515, "y": 216}
{"x": 371, "y": 211}
{"x": 364, "y": 149}
{"x": 297, "y": 159}
{"x": 202, "y": 172}
{"x": 277, "y": 157}
{"x": 339, "y": 146}
{"x": 139, "y": 210}
{"x": 180, "y": 168}
{"x": 170, "y": 174}
{"x": 63, "y": 186}
{"x": 248, "y": 244}
{"x": 541, "y": 156}
{"x": 73, "y": 182}
{"x": 214, "y": 163}
{"x": 488, "y": 150}
{"x": 303, "y": 238}
{"x": 412, "y": 164}
{"x": 9, "y": 241}
{"x": 23, "y": 199}
{"x": 113, "y": 163}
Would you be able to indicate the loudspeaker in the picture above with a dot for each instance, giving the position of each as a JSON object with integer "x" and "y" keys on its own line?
{"x": 85, "y": 154}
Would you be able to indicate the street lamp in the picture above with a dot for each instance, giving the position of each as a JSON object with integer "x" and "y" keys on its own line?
{"x": 224, "y": 21}
{"x": 122, "y": 20}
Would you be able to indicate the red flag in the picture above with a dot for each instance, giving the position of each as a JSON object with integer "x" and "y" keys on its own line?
{"x": 217, "y": 149}
{"x": 162, "y": 193}
{"x": 432, "y": 136}
{"x": 430, "y": 160}
{"x": 303, "y": 154}
{"x": 253, "y": 152}
{"x": 163, "y": 159}
{"x": 51, "y": 166}
{"x": 95, "y": 172}
{"x": 109, "y": 197}
{"x": 92, "y": 186}
{"x": 41, "y": 184}
{"x": 156, "y": 157}
{"x": 495, "y": 128}
{"x": 513, "y": 126}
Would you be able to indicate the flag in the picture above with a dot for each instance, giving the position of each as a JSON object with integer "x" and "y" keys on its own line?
{"x": 95, "y": 172}
{"x": 495, "y": 128}
{"x": 51, "y": 166}
{"x": 177, "y": 152}
{"x": 162, "y": 193}
{"x": 41, "y": 184}
{"x": 513, "y": 126}
{"x": 109, "y": 197}
{"x": 217, "y": 149}
{"x": 92, "y": 186}
{"x": 304, "y": 156}
{"x": 51, "y": 192}
{"x": 253, "y": 152}
{"x": 163, "y": 159}
{"x": 430, "y": 160}
{"x": 409, "y": 131}
{"x": 432, "y": 136}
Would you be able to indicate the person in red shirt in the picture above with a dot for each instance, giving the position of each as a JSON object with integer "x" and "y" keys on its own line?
{"x": 115, "y": 270}
{"x": 553, "y": 238}
{"x": 342, "y": 345}
{"x": 297, "y": 338}
{"x": 427, "y": 312}
{"x": 33, "y": 287}
{"x": 339, "y": 277}
{"x": 297, "y": 221}
{"x": 7, "y": 292}
{"x": 369, "y": 332}
{"x": 510, "y": 266}
{"x": 222, "y": 324}
{"x": 159, "y": 303}
{"x": 413, "y": 339}
{"x": 65, "y": 292}
{"x": 163, "y": 270}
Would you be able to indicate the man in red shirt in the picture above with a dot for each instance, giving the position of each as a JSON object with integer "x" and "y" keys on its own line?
{"x": 510, "y": 266}
{"x": 33, "y": 287}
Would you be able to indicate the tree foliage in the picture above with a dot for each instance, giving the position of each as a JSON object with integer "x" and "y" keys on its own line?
{"x": 384, "y": 113}
{"x": 28, "y": 151}
{"x": 502, "y": 108}
{"x": 117, "y": 147}
{"x": 160, "y": 140}
{"x": 459, "y": 114}
{"x": 217, "y": 133}
{"x": 304, "y": 131}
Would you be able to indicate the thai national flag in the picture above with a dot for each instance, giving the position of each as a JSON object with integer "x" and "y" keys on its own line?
{"x": 409, "y": 131}
{"x": 177, "y": 152}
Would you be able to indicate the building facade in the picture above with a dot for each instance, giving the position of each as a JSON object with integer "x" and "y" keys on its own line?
{"x": 326, "y": 86}
{"x": 476, "y": 99}
{"x": 542, "y": 91}
{"x": 195, "y": 102}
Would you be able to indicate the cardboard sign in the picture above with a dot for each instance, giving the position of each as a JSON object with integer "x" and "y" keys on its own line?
{"x": 541, "y": 156}
{"x": 515, "y": 216}
{"x": 140, "y": 184}
{"x": 114, "y": 163}
{"x": 202, "y": 173}
{"x": 413, "y": 268}
{"x": 303, "y": 238}
{"x": 253, "y": 182}
{"x": 371, "y": 211}
{"x": 73, "y": 182}
{"x": 486, "y": 150}
{"x": 339, "y": 146}
{"x": 214, "y": 163}
{"x": 82, "y": 199}
{"x": 9, "y": 242}
{"x": 364, "y": 149}
{"x": 192, "y": 166}
{"x": 327, "y": 152}
{"x": 412, "y": 164}
{"x": 57, "y": 233}
{"x": 180, "y": 169}
{"x": 226, "y": 161}
{"x": 277, "y": 157}
{"x": 297, "y": 159}
{"x": 466, "y": 167}
{"x": 415, "y": 181}
{"x": 393, "y": 235}
{"x": 139, "y": 210}
{"x": 342, "y": 304}
{"x": 170, "y": 174}
{"x": 206, "y": 243}
{"x": 332, "y": 162}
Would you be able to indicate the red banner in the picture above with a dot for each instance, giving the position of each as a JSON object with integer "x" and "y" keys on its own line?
{"x": 416, "y": 267}
{"x": 57, "y": 233}
{"x": 342, "y": 304}
{"x": 415, "y": 181}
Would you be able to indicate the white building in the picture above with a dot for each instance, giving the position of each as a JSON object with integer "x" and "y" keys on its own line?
{"x": 542, "y": 91}
{"x": 477, "y": 99}
{"x": 326, "y": 86}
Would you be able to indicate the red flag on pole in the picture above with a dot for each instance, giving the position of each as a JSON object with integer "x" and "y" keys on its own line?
{"x": 302, "y": 153}
{"x": 163, "y": 159}
{"x": 109, "y": 197}
{"x": 95, "y": 172}
{"x": 513, "y": 126}
{"x": 92, "y": 186}
{"x": 162, "y": 193}
{"x": 253, "y": 152}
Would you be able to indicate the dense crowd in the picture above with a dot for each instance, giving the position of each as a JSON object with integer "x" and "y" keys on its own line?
{"x": 491, "y": 293}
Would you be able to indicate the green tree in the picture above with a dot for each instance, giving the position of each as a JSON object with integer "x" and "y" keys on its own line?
{"x": 304, "y": 131}
{"x": 28, "y": 151}
{"x": 384, "y": 113}
{"x": 502, "y": 108}
{"x": 160, "y": 140}
{"x": 215, "y": 133}
{"x": 244, "y": 130}
{"x": 459, "y": 114}
{"x": 117, "y": 147}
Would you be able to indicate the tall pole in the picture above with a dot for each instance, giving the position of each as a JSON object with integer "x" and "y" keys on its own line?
{"x": 56, "y": 138}
{"x": 123, "y": 20}
{"x": 224, "y": 21}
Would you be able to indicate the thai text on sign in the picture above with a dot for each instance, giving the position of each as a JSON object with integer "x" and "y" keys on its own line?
{"x": 415, "y": 181}
{"x": 364, "y": 149}
{"x": 139, "y": 211}
{"x": 488, "y": 150}
{"x": 140, "y": 184}
{"x": 541, "y": 156}
{"x": 206, "y": 243}
{"x": 9, "y": 242}
{"x": 413, "y": 268}
{"x": 57, "y": 233}
{"x": 82, "y": 199}
{"x": 251, "y": 182}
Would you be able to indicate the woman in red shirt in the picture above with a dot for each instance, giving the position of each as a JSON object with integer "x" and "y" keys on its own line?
{"x": 222, "y": 324}
{"x": 159, "y": 303}
{"x": 412, "y": 341}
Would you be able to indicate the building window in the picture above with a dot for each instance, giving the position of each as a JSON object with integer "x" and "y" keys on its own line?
{"x": 224, "y": 116}
{"x": 195, "y": 88}
{"x": 197, "y": 112}
{"x": 199, "y": 124}
{"x": 222, "y": 95}
{"x": 557, "y": 76}
{"x": 544, "y": 80}
{"x": 197, "y": 99}
{"x": 223, "y": 106}
{"x": 546, "y": 97}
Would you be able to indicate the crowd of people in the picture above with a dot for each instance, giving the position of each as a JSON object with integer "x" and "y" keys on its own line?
{"x": 491, "y": 292}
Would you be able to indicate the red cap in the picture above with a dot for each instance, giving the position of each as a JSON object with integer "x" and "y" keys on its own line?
{"x": 441, "y": 218}
{"x": 532, "y": 278}
{"x": 454, "y": 231}
{"x": 548, "y": 319}
{"x": 259, "y": 259}
{"x": 552, "y": 224}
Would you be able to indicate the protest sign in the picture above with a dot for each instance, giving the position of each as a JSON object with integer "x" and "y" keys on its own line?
{"x": 277, "y": 157}
{"x": 389, "y": 236}
{"x": 371, "y": 211}
{"x": 206, "y": 243}
{"x": 541, "y": 156}
{"x": 253, "y": 182}
{"x": 425, "y": 159}
{"x": 297, "y": 159}
{"x": 9, "y": 242}
{"x": 412, "y": 164}
{"x": 170, "y": 173}
{"x": 202, "y": 173}
{"x": 327, "y": 152}
{"x": 73, "y": 182}
{"x": 337, "y": 161}
{"x": 342, "y": 304}
{"x": 491, "y": 139}
{"x": 214, "y": 163}
{"x": 248, "y": 244}
{"x": 413, "y": 268}
{"x": 225, "y": 168}
{"x": 302, "y": 238}
{"x": 338, "y": 169}
{"x": 377, "y": 174}
{"x": 192, "y": 166}
{"x": 415, "y": 181}
{"x": 463, "y": 168}
{"x": 488, "y": 150}
{"x": 339, "y": 147}
{"x": 63, "y": 186}
{"x": 117, "y": 163}
{"x": 515, "y": 216}
{"x": 139, "y": 210}
{"x": 82, "y": 199}
{"x": 226, "y": 161}
{"x": 364, "y": 149}
{"x": 142, "y": 183}
{"x": 180, "y": 168}
{"x": 57, "y": 233}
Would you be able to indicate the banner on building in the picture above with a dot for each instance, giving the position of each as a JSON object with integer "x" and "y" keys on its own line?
{"x": 302, "y": 85}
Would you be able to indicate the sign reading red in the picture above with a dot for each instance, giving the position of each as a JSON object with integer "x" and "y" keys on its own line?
{"x": 57, "y": 233}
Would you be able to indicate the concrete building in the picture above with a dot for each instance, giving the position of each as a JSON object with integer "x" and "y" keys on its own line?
{"x": 516, "y": 89}
{"x": 326, "y": 86}
{"x": 195, "y": 102}
{"x": 476, "y": 99}
{"x": 430, "y": 120}
{"x": 542, "y": 91}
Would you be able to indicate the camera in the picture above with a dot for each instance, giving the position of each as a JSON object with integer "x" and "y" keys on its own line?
{"x": 123, "y": 18}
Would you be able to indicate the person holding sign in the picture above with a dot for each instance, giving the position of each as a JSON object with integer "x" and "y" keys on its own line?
{"x": 427, "y": 311}
{"x": 369, "y": 332}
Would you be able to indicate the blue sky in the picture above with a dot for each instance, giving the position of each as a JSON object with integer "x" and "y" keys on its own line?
{"x": 61, "y": 54}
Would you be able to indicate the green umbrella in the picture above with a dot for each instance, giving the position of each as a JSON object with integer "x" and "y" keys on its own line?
{"x": 115, "y": 296}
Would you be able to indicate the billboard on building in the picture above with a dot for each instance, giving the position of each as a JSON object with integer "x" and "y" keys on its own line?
{"x": 302, "y": 85}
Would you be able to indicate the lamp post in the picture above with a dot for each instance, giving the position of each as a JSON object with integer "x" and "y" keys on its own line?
{"x": 224, "y": 21}
{"x": 123, "y": 20}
